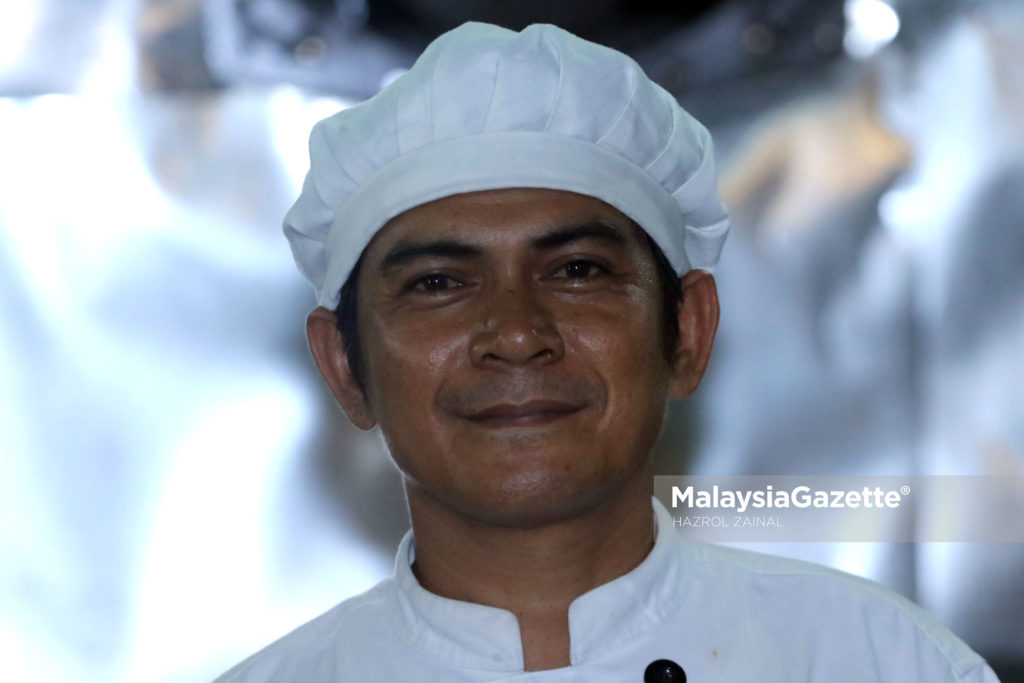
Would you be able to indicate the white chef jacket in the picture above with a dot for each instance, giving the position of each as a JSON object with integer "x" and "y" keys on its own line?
{"x": 724, "y": 615}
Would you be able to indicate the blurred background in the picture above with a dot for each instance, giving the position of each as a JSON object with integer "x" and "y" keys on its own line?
{"x": 177, "y": 489}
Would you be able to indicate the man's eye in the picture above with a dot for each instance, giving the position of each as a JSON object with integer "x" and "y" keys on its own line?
{"x": 580, "y": 270}
{"x": 435, "y": 282}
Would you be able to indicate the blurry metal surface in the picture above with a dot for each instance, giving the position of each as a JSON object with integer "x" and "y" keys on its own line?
{"x": 178, "y": 488}
{"x": 324, "y": 46}
{"x": 154, "y": 387}
{"x": 154, "y": 394}
{"x": 873, "y": 291}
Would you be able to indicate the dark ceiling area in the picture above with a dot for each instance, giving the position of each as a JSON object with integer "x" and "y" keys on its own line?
{"x": 351, "y": 47}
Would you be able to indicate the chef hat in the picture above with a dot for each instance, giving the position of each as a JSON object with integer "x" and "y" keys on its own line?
{"x": 486, "y": 108}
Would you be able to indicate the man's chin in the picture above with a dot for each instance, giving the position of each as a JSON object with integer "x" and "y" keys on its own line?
{"x": 527, "y": 502}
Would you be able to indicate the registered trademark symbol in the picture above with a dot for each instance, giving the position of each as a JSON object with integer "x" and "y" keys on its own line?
{"x": 904, "y": 490}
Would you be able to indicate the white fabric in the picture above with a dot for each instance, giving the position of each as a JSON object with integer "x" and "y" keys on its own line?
{"x": 722, "y": 614}
{"x": 485, "y": 108}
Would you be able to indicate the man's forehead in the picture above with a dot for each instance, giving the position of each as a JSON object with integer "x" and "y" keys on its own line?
{"x": 536, "y": 217}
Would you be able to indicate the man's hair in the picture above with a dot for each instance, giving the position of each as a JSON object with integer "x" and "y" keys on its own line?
{"x": 668, "y": 281}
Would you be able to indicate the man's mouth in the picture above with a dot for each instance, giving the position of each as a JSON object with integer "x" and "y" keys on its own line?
{"x": 528, "y": 414}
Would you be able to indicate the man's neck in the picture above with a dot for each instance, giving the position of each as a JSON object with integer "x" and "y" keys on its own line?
{"x": 534, "y": 572}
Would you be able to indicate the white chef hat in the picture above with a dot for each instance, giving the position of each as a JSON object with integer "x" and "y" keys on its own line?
{"x": 486, "y": 108}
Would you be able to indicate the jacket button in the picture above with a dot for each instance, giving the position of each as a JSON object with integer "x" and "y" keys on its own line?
{"x": 664, "y": 671}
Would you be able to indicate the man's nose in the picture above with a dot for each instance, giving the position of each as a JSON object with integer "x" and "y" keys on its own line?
{"x": 517, "y": 330}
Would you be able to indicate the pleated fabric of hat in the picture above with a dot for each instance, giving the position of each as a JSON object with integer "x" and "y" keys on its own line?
{"x": 487, "y": 108}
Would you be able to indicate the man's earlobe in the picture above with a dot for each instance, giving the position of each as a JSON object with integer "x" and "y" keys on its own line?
{"x": 328, "y": 348}
{"x": 697, "y": 318}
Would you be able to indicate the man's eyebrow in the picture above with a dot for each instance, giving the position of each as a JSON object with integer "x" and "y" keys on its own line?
{"x": 601, "y": 231}
{"x": 410, "y": 251}
{"x": 406, "y": 252}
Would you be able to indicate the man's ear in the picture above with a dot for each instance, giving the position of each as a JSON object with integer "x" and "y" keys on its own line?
{"x": 697, "y": 318}
{"x": 328, "y": 350}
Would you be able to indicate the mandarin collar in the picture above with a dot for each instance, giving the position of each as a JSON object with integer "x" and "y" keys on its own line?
{"x": 470, "y": 635}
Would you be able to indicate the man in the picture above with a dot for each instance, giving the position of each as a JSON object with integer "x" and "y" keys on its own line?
{"x": 497, "y": 241}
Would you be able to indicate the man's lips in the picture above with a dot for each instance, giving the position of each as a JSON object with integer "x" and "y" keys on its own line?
{"x": 528, "y": 414}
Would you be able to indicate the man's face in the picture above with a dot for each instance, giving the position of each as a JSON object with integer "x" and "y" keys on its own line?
{"x": 512, "y": 350}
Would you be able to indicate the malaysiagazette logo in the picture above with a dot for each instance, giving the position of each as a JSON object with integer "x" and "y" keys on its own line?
{"x": 739, "y": 500}
{"x": 845, "y": 508}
